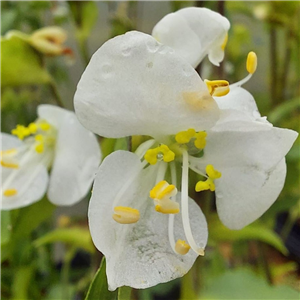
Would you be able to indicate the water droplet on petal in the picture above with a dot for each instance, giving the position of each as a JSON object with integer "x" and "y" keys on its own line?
{"x": 126, "y": 51}
{"x": 150, "y": 65}
{"x": 106, "y": 70}
{"x": 152, "y": 46}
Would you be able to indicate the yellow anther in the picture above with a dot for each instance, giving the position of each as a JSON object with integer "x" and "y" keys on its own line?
{"x": 212, "y": 173}
{"x": 45, "y": 126}
{"x": 39, "y": 137}
{"x": 21, "y": 132}
{"x": 8, "y": 152}
{"x": 200, "y": 141}
{"x": 39, "y": 148}
{"x": 181, "y": 247}
{"x": 126, "y": 215}
{"x": 32, "y": 128}
{"x": 163, "y": 189}
{"x": 183, "y": 137}
{"x": 224, "y": 42}
{"x": 168, "y": 209}
{"x": 151, "y": 156}
{"x": 9, "y": 165}
{"x": 168, "y": 155}
{"x": 217, "y": 88}
{"x": 208, "y": 184}
{"x": 10, "y": 192}
{"x": 251, "y": 63}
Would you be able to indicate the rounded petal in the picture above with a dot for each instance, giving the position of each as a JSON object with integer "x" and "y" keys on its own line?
{"x": 52, "y": 114}
{"x": 30, "y": 182}
{"x": 138, "y": 255}
{"x": 256, "y": 149}
{"x": 77, "y": 157}
{"x": 182, "y": 29}
{"x": 135, "y": 86}
{"x": 244, "y": 194}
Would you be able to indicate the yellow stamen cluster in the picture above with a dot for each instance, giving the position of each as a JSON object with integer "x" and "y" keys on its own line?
{"x": 10, "y": 192}
{"x": 217, "y": 88}
{"x": 22, "y": 131}
{"x": 152, "y": 155}
{"x": 184, "y": 137}
{"x": 208, "y": 184}
{"x": 251, "y": 63}
{"x": 181, "y": 247}
{"x": 161, "y": 194}
{"x": 126, "y": 215}
{"x": 39, "y": 148}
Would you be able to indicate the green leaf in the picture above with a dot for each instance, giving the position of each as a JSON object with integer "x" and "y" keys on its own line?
{"x": 21, "y": 282}
{"x": 75, "y": 236}
{"x": 243, "y": 284}
{"x": 99, "y": 287}
{"x": 284, "y": 110}
{"x": 124, "y": 293}
{"x": 31, "y": 217}
{"x": 5, "y": 227}
{"x": 254, "y": 231}
{"x": 21, "y": 64}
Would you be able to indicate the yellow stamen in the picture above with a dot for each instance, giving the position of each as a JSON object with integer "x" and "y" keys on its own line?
{"x": 212, "y": 173}
{"x": 21, "y": 132}
{"x": 181, "y": 247}
{"x": 9, "y": 165}
{"x": 168, "y": 155}
{"x": 39, "y": 148}
{"x": 32, "y": 128}
{"x": 126, "y": 215}
{"x": 161, "y": 194}
{"x": 217, "y": 88}
{"x": 9, "y": 151}
{"x": 200, "y": 141}
{"x": 39, "y": 137}
{"x": 151, "y": 154}
{"x": 10, "y": 192}
{"x": 45, "y": 126}
{"x": 224, "y": 42}
{"x": 208, "y": 184}
{"x": 251, "y": 63}
{"x": 183, "y": 137}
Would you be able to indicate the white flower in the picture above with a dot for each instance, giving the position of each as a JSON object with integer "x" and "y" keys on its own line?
{"x": 194, "y": 33}
{"x": 250, "y": 154}
{"x": 57, "y": 140}
{"x": 136, "y": 86}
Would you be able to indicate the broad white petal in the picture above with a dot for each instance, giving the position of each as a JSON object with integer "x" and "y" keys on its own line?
{"x": 174, "y": 31}
{"x": 138, "y": 255}
{"x": 133, "y": 85}
{"x": 209, "y": 27}
{"x": 256, "y": 149}
{"x": 30, "y": 182}
{"x": 244, "y": 194}
{"x": 77, "y": 157}
{"x": 52, "y": 114}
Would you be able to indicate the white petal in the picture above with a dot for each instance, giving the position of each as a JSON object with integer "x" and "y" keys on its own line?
{"x": 174, "y": 31}
{"x": 135, "y": 86}
{"x": 30, "y": 181}
{"x": 257, "y": 149}
{"x": 52, "y": 114}
{"x": 138, "y": 255}
{"x": 244, "y": 194}
{"x": 77, "y": 157}
{"x": 209, "y": 27}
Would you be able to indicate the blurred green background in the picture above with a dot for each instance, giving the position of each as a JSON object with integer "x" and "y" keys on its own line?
{"x": 50, "y": 255}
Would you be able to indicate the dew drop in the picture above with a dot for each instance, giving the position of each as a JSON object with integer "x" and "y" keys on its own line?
{"x": 150, "y": 65}
{"x": 152, "y": 46}
{"x": 106, "y": 70}
{"x": 126, "y": 51}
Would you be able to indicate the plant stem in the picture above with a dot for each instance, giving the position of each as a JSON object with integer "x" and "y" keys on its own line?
{"x": 65, "y": 272}
{"x": 56, "y": 94}
{"x": 273, "y": 65}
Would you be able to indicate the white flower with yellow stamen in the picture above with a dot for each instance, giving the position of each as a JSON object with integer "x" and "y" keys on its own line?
{"x": 138, "y": 219}
{"x": 194, "y": 32}
{"x": 57, "y": 141}
{"x": 249, "y": 155}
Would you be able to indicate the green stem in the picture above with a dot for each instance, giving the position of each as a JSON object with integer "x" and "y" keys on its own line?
{"x": 84, "y": 52}
{"x": 65, "y": 272}
{"x": 264, "y": 261}
{"x": 56, "y": 94}
{"x": 273, "y": 65}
